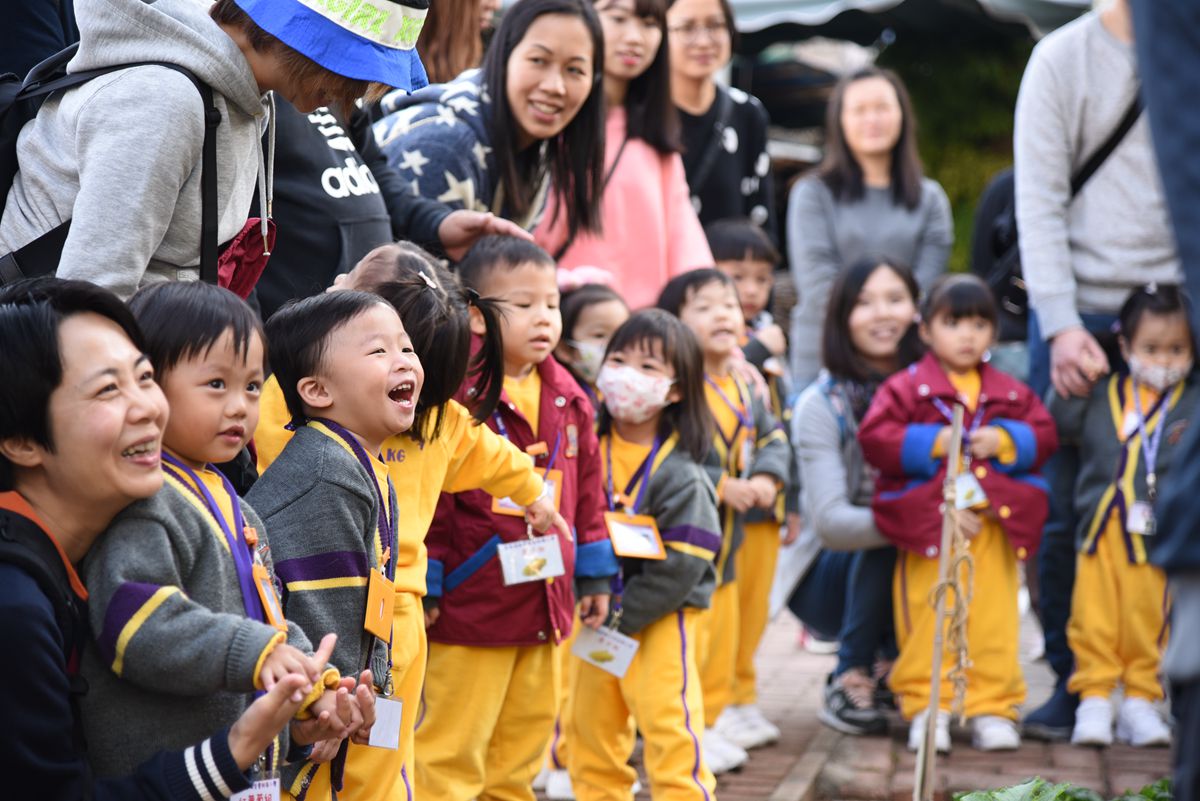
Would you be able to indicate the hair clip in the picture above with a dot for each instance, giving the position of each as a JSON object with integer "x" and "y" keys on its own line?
{"x": 472, "y": 296}
{"x": 428, "y": 281}
{"x": 1152, "y": 288}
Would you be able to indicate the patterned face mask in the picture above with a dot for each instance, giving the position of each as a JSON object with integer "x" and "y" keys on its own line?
{"x": 1156, "y": 376}
{"x": 630, "y": 395}
{"x": 591, "y": 356}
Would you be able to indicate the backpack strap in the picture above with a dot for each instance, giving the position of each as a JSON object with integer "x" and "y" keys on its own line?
{"x": 1110, "y": 144}
{"x": 712, "y": 146}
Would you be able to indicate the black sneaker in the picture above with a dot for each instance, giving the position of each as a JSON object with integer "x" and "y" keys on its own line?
{"x": 1054, "y": 720}
{"x": 850, "y": 705}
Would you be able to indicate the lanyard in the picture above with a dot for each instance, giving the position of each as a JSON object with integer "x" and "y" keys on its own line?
{"x": 235, "y": 537}
{"x": 386, "y": 533}
{"x": 643, "y": 473}
{"x": 742, "y": 414}
{"x": 1150, "y": 442}
{"x": 502, "y": 430}
{"x": 975, "y": 421}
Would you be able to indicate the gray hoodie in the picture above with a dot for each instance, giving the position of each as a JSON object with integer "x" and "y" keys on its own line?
{"x": 120, "y": 155}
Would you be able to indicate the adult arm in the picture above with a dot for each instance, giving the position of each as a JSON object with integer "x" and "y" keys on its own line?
{"x": 839, "y": 523}
{"x": 815, "y": 263}
{"x": 936, "y": 238}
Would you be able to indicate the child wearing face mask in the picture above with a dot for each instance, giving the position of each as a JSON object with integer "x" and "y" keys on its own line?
{"x": 748, "y": 464}
{"x": 654, "y": 433}
{"x": 590, "y": 315}
{"x": 1127, "y": 431}
{"x": 1002, "y": 505}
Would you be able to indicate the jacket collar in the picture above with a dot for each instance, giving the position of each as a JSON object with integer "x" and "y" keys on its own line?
{"x": 15, "y": 503}
{"x": 932, "y": 381}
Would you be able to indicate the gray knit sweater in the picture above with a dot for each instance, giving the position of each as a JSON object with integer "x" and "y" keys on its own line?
{"x": 1085, "y": 255}
{"x": 174, "y": 654}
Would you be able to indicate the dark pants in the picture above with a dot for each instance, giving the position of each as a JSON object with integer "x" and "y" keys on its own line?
{"x": 848, "y": 596}
{"x": 1056, "y": 556}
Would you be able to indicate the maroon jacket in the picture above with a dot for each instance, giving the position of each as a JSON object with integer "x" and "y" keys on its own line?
{"x": 897, "y": 437}
{"x": 464, "y": 570}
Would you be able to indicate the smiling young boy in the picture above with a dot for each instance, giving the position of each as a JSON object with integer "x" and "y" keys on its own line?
{"x": 493, "y": 643}
{"x": 351, "y": 380}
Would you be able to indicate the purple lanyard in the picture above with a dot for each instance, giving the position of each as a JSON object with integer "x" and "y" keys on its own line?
{"x": 386, "y": 532}
{"x": 502, "y": 430}
{"x": 1150, "y": 442}
{"x": 743, "y": 416}
{"x": 646, "y": 468}
{"x": 238, "y": 547}
{"x": 949, "y": 415}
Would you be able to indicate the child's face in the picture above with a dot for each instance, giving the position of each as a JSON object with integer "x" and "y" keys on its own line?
{"x": 646, "y": 360}
{"x": 593, "y": 328}
{"x": 1161, "y": 340}
{"x": 531, "y": 323}
{"x": 882, "y": 315}
{"x": 715, "y": 317}
{"x": 370, "y": 378}
{"x": 958, "y": 344}
{"x": 214, "y": 401}
{"x": 754, "y": 281}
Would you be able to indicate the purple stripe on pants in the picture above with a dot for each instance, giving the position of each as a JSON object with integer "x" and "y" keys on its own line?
{"x": 687, "y": 715}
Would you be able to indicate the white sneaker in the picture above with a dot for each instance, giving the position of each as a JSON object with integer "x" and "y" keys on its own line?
{"x": 746, "y": 727}
{"x": 754, "y": 719}
{"x": 1093, "y": 722}
{"x": 941, "y": 737}
{"x": 539, "y": 781}
{"x": 558, "y": 786}
{"x": 721, "y": 755}
{"x": 994, "y": 733}
{"x": 1140, "y": 725}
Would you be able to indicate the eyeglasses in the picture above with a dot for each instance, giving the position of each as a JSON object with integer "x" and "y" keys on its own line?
{"x": 690, "y": 33}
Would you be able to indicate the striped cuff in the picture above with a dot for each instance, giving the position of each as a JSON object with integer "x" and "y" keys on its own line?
{"x": 206, "y": 771}
{"x": 262, "y": 658}
{"x": 329, "y": 680}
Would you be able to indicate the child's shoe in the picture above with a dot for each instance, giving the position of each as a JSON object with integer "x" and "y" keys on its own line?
{"x": 1140, "y": 725}
{"x": 1093, "y": 722}
{"x": 1054, "y": 720}
{"x": 558, "y": 786}
{"x": 746, "y": 727}
{"x": 850, "y": 705}
{"x": 720, "y": 755}
{"x": 994, "y": 733}
{"x": 941, "y": 737}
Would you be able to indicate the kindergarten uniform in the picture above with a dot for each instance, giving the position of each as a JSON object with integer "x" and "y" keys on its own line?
{"x": 464, "y": 456}
{"x": 898, "y": 437}
{"x": 748, "y": 441}
{"x": 661, "y": 602}
{"x": 333, "y": 509}
{"x": 493, "y": 653}
{"x": 1117, "y": 630}
{"x": 179, "y": 638}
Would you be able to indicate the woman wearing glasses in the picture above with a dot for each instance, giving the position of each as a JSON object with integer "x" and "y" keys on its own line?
{"x": 724, "y": 130}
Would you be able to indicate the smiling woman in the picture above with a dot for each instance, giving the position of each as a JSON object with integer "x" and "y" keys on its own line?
{"x": 528, "y": 124}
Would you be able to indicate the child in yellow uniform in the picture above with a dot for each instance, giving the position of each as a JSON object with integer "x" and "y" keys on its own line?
{"x": 745, "y": 253}
{"x": 446, "y": 450}
{"x": 1128, "y": 431}
{"x": 1007, "y": 434}
{"x": 654, "y": 431}
{"x": 748, "y": 463}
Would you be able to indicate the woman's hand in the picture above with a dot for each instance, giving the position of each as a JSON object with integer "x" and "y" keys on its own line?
{"x": 463, "y": 228}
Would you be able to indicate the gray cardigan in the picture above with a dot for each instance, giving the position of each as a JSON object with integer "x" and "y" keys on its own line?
{"x": 826, "y": 236}
{"x": 174, "y": 654}
{"x": 836, "y": 489}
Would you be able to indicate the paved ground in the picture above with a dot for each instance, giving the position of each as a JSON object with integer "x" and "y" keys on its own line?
{"x": 813, "y": 763}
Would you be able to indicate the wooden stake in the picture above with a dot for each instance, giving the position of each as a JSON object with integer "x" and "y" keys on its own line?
{"x": 923, "y": 780}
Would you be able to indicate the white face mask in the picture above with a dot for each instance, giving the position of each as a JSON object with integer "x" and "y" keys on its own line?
{"x": 631, "y": 395}
{"x": 591, "y": 356}
{"x": 1156, "y": 376}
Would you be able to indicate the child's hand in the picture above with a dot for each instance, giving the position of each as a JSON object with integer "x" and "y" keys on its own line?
{"x": 738, "y": 494}
{"x": 542, "y": 515}
{"x": 969, "y": 523}
{"x": 253, "y": 732}
{"x": 941, "y": 445}
{"x": 364, "y": 699}
{"x": 285, "y": 659}
{"x": 324, "y": 751}
{"x": 792, "y": 529}
{"x": 326, "y": 721}
{"x": 984, "y": 443}
{"x": 766, "y": 490}
{"x": 773, "y": 338}
{"x": 593, "y": 610}
{"x": 431, "y": 615}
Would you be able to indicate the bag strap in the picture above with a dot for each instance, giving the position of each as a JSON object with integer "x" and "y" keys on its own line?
{"x": 565, "y": 246}
{"x": 712, "y": 148}
{"x": 1115, "y": 138}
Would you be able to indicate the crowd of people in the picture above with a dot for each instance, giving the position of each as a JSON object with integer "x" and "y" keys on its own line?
{"x": 366, "y": 437}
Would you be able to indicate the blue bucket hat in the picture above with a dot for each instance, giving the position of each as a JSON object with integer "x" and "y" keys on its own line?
{"x": 367, "y": 40}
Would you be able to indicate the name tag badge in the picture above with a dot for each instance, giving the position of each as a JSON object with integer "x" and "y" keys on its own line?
{"x": 507, "y": 506}
{"x": 635, "y": 536}
{"x": 534, "y": 559}
{"x": 266, "y": 593}
{"x": 1140, "y": 519}
{"x": 968, "y": 492}
{"x": 747, "y": 455}
{"x": 381, "y": 602}
{"x": 605, "y": 648}
{"x": 386, "y": 731}
{"x": 260, "y": 790}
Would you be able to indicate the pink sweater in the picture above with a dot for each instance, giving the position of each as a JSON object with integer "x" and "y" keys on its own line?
{"x": 650, "y": 231}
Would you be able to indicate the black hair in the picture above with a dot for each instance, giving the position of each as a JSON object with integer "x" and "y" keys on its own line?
{"x": 841, "y": 358}
{"x": 655, "y": 329}
{"x": 649, "y": 113}
{"x": 1161, "y": 300}
{"x": 576, "y": 156}
{"x": 184, "y": 319}
{"x": 959, "y": 295}
{"x": 737, "y": 239}
{"x": 680, "y": 289}
{"x": 492, "y": 253}
{"x": 575, "y": 301}
{"x": 841, "y": 171}
{"x": 435, "y": 310}
{"x": 31, "y": 312}
{"x": 299, "y": 333}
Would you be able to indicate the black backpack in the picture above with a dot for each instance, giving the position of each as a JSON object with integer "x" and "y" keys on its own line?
{"x": 20, "y": 100}
{"x": 995, "y": 250}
